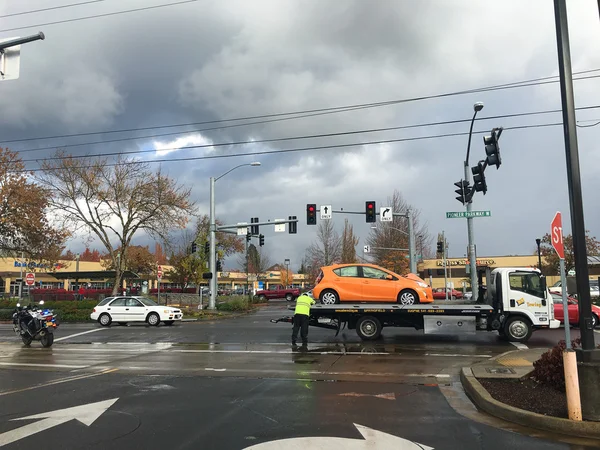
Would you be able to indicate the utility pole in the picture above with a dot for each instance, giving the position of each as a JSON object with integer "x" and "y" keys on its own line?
{"x": 21, "y": 279}
{"x": 588, "y": 357}
{"x": 411, "y": 243}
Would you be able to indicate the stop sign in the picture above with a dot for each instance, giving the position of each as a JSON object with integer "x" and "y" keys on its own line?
{"x": 556, "y": 235}
{"x": 159, "y": 272}
{"x": 30, "y": 279}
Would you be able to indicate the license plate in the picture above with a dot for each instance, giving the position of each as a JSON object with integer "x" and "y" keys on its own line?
{"x": 323, "y": 320}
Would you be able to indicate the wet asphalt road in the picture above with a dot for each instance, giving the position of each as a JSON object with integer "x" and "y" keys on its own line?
{"x": 236, "y": 383}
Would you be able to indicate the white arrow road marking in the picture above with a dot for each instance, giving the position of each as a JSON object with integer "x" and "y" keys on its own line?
{"x": 386, "y": 396}
{"x": 373, "y": 440}
{"x": 86, "y": 414}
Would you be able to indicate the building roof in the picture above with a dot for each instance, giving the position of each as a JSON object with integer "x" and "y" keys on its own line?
{"x": 91, "y": 275}
{"x": 593, "y": 260}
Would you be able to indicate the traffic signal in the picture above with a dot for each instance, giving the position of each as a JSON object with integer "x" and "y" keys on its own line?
{"x": 440, "y": 247}
{"x": 261, "y": 240}
{"x": 370, "y": 211}
{"x": 194, "y": 247}
{"x": 479, "y": 183}
{"x": 492, "y": 148}
{"x": 248, "y": 237}
{"x": 311, "y": 214}
{"x": 254, "y": 228}
{"x": 293, "y": 226}
{"x": 464, "y": 191}
{"x": 219, "y": 266}
{"x": 206, "y": 248}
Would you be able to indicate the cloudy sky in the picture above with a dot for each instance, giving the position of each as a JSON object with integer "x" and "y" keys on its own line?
{"x": 205, "y": 60}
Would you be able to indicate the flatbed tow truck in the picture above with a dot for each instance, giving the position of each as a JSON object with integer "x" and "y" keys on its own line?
{"x": 516, "y": 303}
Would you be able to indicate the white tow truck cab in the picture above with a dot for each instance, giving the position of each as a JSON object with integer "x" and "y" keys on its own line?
{"x": 516, "y": 303}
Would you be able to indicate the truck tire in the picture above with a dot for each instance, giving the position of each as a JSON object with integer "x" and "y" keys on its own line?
{"x": 262, "y": 298}
{"x": 368, "y": 328}
{"x": 329, "y": 297}
{"x": 518, "y": 329}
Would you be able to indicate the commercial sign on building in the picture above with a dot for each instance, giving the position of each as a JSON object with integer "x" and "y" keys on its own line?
{"x": 464, "y": 262}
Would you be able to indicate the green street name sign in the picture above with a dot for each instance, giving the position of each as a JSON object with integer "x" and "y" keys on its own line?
{"x": 467, "y": 214}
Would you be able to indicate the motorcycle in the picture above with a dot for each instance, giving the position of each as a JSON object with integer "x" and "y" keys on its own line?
{"x": 33, "y": 323}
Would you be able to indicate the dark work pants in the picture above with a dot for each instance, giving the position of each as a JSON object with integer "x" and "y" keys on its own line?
{"x": 300, "y": 323}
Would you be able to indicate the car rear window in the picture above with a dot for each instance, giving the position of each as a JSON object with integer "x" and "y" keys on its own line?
{"x": 105, "y": 301}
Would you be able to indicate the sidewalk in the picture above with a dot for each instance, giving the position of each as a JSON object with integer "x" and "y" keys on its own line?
{"x": 514, "y": 365}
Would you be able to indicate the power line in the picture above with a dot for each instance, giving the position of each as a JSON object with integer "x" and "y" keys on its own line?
{"x": 49, "y": 8}
{"x": 304, "y": 149}
{"x": 310, "y": 113}
{"x": 95, "y": 16}
{"x": 313, "y": 136}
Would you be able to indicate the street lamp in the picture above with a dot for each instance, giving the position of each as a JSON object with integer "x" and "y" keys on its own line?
{"x": 287, "y": 271}
{"x": 212, "y": 235}
{"x": 472, "y": 258}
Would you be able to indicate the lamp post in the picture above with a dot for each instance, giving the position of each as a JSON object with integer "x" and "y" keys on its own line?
{"x": 287, "y": 271}
{"x": 538, "y": 241}
{"x": 212, "y": 235}
{"x": 472, "y": 258}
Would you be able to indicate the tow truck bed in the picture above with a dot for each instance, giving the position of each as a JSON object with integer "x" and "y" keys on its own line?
{"x": 370, "y": 318}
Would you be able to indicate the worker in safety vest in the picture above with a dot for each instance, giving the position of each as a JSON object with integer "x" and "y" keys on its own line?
{"x": 303, "y": 304}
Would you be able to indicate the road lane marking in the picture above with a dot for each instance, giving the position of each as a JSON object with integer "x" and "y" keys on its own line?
{"x": 452, "y": 355}
{"x": 78, "y": 334}
{"x": 520, "y": 345}
{"x": 338, "y": 352}
{"x": 308, "y": 372}
{"x": 55, "y": 366}
{"x": 60, "y": 381}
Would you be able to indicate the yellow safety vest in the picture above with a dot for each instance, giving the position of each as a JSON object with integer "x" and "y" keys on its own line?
{"x": 303, "y": 304}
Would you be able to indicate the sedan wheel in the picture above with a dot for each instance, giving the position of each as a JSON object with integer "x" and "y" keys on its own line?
{"x": 153, "y": 319}
{"x": 105, "y": 320}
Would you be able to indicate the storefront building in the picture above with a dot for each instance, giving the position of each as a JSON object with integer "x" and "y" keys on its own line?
{"x": 432, "y": 270}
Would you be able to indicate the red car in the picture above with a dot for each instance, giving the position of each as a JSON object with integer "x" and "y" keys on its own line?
{"x": 573, "y": 310}
{"x": 440, "y": 294}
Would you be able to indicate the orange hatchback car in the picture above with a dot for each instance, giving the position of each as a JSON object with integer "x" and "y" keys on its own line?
{"x": 369, "y": 283}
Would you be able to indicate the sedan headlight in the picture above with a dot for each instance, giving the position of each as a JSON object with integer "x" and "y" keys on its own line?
{"x": 168, "y": 311}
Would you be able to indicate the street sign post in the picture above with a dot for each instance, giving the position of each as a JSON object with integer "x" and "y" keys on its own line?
{"x": 386, "y": 214}
{"x": 556, "y": 235}
{"x": 569, "y": 358}
{"x": 367, "y": 249}
{"x": 467, "y": 214}
{"x": 159, "y": 274}
{"x": 279, "y": 227}
{"x": 30, "y": 279}
{"x": 242, "y": 229}
{"x": 326, "y": 212}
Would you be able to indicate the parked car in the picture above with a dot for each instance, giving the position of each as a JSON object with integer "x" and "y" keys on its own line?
{"x": 275, "y": 292}
{"x": 440, "y": 294}
{"x": 556, "y": 288}
{"x": 573, "y": 310}
{"x": 369, "y": 283}
{"x": 134, "y": 309}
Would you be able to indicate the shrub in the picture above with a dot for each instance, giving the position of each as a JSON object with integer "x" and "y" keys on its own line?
{"x": 237, "y": 304}
{"x": 549, "y": 369}
{"x": 6, "y": 314}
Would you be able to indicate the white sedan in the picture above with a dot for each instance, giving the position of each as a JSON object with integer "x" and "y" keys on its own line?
{"x": 134, "y": 309}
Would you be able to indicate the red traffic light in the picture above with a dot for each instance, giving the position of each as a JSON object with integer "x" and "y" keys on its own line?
{"x": 310, "y": 208}
{"x": 370, "y": 205}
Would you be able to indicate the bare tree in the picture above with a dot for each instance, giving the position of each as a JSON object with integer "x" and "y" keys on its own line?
{"x": 258, "y": 261}
{"x": 327, "y": 249}
{"x": 394, "y": 235}
{"x": 349, "y": 243}
{"x": 115, "y": 201}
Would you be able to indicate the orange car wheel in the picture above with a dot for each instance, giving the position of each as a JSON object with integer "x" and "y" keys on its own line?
{"x": 408, "y": 297}
{"x": 329, "y": 297}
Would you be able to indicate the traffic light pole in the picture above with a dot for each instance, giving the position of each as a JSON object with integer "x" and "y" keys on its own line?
{"x": 212, "y": 262}
{"x": 470, "y": 233}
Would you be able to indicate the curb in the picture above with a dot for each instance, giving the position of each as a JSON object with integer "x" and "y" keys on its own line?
{"x": 484, "y": 401}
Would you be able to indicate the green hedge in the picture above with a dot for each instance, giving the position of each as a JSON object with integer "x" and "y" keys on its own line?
{"x": 67, "y": 311}
{"x": 236, "y": 304}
